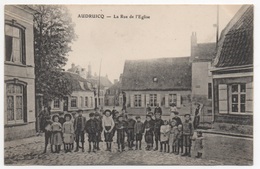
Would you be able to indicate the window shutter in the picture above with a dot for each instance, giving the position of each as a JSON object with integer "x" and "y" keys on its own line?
{"x": 166, "y": 100}
{"x": 249, "y": 97}
{"x": 222, "y": 97}
{"x": 142, "y": 100}
{"x": 131, "y": 100}
{"x": 147, "y": 99}
{"x": 178, "y": 100}
{"x": 159, "y": 99}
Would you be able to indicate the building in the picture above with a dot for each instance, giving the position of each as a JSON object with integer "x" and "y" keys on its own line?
{"x": 233, "y": 74}
{"x": 19, "y": 77}
{"x": 201, "y": 58}
{"x": 114, "y": 96}
{"x": 162, "y": 81}
{"x": 79, "y": 70}
{"x": 82, "y": 96}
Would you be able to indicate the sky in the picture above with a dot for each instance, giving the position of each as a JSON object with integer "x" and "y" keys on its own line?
{"x": 166, "y": 33}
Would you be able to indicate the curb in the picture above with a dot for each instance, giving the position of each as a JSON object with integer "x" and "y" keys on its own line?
{"x": 227, "y": 134}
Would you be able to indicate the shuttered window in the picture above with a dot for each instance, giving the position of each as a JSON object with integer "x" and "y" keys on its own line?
{"x": 137, "y": 100}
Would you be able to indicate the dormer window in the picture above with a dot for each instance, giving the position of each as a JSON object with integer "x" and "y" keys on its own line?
{"x": 155, "y": 79}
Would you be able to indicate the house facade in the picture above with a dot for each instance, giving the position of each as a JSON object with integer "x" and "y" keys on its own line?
{"x": 82, "y": 96}
{"x": 157, "y": 81}
{"x": 233, "y": 74}
{"x": 114, "y": 95}
{"x": 19, "y": 77}
{"x": 201, "y": 58}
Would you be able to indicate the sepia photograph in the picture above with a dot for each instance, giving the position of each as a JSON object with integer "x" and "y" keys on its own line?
{"x": 128, "y": 84}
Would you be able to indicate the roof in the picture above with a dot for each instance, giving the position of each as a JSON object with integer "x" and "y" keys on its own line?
{"x": 204, "y": 52}
{"x": 235, "y": 46}
{"x": 114, "y": 88}
{"x": 104, "y": 81}
{"x": 171, "y": 74}
{"x": 78, "y": 83}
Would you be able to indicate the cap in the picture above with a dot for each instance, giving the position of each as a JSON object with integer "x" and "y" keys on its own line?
{"x": 137, "y": 117}
{"x": 91, "y": 114}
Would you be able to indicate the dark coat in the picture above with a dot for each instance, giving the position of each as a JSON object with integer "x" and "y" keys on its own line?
{"x": 83, "y": 124}
{"x": 91, "y": 126}
{"x": 131, "y": 124}
{"x": 158, "y": 110}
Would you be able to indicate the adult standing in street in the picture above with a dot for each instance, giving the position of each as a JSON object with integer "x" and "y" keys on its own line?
{"x": 148, "y": 108}
{"x": 43, "y": 116}
{"x": 158, "y": 109}
{"x": 79, "y": 126}
{"x": 196, "y": 120}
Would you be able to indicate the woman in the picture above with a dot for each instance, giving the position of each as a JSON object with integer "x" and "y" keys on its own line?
{"x": 42, "y": 117}
{"x": 196, "y": 120}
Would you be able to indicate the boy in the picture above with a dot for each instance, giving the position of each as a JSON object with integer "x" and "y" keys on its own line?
{"x": 120, "y": 128}
{"x": 79, "y": 126}
{"x": 91, "y": 128}
{"x": 179, "y": 141}
{"x": 148, "y": 126}
{"x": 47, "y": 131}
{"x": 138, "y": 131}
{"x": 158, "y": 122}
{"x": 187, "y": 130}
{"x": 99, "y": 129}
{"x": 198, "y": 145}
{"x": 108, "y": 125}
{"x": 130, "y": 131}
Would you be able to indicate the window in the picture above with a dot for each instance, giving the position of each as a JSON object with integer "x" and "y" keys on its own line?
{"x": 82, "y": 101}
{"x": 153, "y": 100}
{"x": 14, "y": 42}
{"x": 172, "y": 98}
{"x": 73, "y": 101}
{"x": 86, "y": 101}
{"x": 56, "y": 104}
{"x": 91, "y": 102}
{"x": 137, "y": 101}
{"x": 15, "y": 103}
{"x": 209, "y": 91}
{"x": 238, "y": 98}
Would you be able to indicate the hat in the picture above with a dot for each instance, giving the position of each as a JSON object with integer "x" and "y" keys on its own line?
{"x": 119, "y": 116}
{"x": 148, "y": 116}
{"x": 97, "y": 114}
{"x": 67, "y": 115}
{"x": 150, "y": 113}
{"x": 55, "y": 115}
{"x": 48, "y": 117}
{"x": 61, "y": 113}
{"x": 80, "y": 110}
{"x": 187, "y": 115}
{"x": 107, "y": 110}
{"x": 137, "y": 117}
{"x": 73, "y": 112}
{"x": 91, "y": 114}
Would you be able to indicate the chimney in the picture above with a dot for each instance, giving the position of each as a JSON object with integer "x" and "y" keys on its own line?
{"x": 72, "y": 65}
{"x": 115, "y": 81}
{"x": 193, "y": 45}
{"x": 89, "y": 71}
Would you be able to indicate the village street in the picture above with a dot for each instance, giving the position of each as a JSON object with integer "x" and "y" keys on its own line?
{"x": 218, "y": 150}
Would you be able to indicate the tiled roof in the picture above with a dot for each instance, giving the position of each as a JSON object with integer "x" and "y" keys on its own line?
{"x": 78, "y": 83}
{"x": 235, "y": 47}
{"x": 204, "y": 52}
{"x": 171, "y": 74}
{"x": 104, "y": 81}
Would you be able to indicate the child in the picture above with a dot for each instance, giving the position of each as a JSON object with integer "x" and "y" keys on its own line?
{"x": 164, "y": 138}
{"x": 198, "y": 145}
{"x": 148, "y": 126}
{"x": 99, "y": 130}
{"x": 179, "y": 140}
{"x": 130, "y": 131}
{"x": 79, "y": 126}
{"x": 138, "y": 131}
{"x": 56, "y": 133}
{"x": 120, "y": 129}
{"x": 108, "y": 125}
{"x": 68, "y": 133}
{"x": 158, "y": 122}
{"x": 172, "y": 136}
{"x": 47, "y": 131}
{"x": 91, "y": 128}
{"x": 187, "y": 129}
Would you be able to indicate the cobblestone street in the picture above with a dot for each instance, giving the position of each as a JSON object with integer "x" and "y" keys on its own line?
{"x": 29, "y": 152}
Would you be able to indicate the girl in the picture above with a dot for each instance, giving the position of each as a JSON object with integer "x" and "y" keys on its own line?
{"x": 198, "y": 145}
{"x": 148, "y": 127}
{"x": 172, "y": 138}
{"x": 56, "y": 138}
{"x": 165, "y": 129}
{"x": 68, "y": 133}
{"x": 108, "y": 125}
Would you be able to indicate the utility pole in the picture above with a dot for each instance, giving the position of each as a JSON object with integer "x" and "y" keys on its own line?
{"x": 98, "y": 100}
{"x": 217, "y": 32}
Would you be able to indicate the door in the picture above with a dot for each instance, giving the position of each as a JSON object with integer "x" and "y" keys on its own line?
{"x": 65, "y": 103}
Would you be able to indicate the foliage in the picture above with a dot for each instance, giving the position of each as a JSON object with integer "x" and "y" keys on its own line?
{"x": 53, "y": 34}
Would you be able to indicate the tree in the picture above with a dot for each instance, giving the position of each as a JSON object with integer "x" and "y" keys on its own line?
{"x": 53, "y": 34}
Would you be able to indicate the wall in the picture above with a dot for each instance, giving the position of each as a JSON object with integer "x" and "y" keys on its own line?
{"x": 24, "y": 73}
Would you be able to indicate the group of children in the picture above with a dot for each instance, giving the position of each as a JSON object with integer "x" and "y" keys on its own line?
{"x": 173, "y": 135}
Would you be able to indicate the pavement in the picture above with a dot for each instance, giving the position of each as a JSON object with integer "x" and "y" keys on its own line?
{"x": 218, "y": 150}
